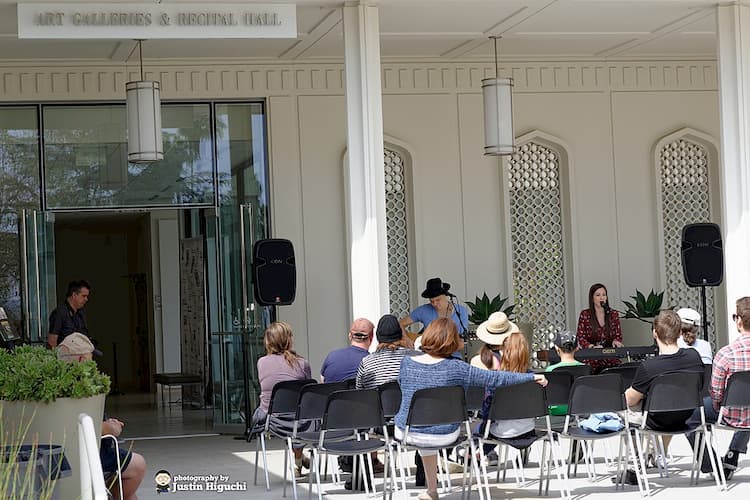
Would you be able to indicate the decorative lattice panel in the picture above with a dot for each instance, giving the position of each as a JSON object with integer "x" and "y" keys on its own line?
{"x": 536, "y": 229}
{"x": 684, "y": 200}
{"x": 397, "y": 236}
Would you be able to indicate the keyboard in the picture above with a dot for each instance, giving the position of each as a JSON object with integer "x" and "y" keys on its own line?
{"x": 632, "y": 353}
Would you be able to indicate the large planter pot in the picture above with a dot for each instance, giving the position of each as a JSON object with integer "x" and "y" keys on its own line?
{"x": 56, "y": 423}
{"x": 636, "y": 332}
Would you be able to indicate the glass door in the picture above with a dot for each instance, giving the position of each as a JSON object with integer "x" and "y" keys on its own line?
{"x": 242, "y": 219}
{"x": 37, "y": 251}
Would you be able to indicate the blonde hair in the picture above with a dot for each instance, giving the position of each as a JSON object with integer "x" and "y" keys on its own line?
{"x": 278, "y": 340}
{"x": 515, "y": 356}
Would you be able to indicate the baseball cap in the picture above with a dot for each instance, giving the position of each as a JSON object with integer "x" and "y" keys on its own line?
{"x": 689, "y": 316}
{"x": 566, "y": 337}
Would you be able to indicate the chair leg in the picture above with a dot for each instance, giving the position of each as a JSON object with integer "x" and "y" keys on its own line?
{"x": 716, "y": 465}
{"x": 316, "y": 466}
{"x": 640, "y": 472}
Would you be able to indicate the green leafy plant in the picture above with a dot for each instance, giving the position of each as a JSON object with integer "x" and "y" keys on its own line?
{"x": 644, "y": 307}
{"x": 482, "y": 307}
{"x": 33, "y": 373}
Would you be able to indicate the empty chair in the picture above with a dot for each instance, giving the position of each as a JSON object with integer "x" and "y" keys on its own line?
{"x": 522, "y": 401}
{"x": 599, "y": 394}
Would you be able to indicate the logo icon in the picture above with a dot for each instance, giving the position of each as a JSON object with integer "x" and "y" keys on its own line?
{"x": 162, "y": 479}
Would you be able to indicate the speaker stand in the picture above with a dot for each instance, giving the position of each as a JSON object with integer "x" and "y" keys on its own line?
{"x": 703, "y": 311}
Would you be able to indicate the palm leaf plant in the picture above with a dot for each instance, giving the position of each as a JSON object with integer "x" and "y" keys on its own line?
{"x": 644, "y": 307}
{"x": 483, "y": 306}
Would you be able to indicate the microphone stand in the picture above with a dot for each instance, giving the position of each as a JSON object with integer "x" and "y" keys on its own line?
{"x": 464, "y": 333}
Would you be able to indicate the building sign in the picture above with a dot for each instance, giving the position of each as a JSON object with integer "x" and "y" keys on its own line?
{"x": 152, "y": 20}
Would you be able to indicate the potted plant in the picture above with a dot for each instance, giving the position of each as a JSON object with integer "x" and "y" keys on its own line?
{"x": 47, "y": 394}
{"x": 636, "y": 328}
{"x": 482, "y": 307}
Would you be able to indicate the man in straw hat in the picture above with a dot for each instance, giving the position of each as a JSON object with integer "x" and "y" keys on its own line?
{"x": 76, "y": 347}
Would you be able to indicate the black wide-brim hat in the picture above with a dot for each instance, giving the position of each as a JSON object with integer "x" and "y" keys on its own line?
{"x": 435, "y": 287}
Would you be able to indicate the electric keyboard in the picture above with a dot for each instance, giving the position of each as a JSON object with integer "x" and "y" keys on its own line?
{"x": 632, "y": 353}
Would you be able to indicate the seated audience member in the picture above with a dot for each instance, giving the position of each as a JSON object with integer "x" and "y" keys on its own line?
{"x": 279, "y": 364}
{"x": 691, "y": 322}
{"x": 77, "y": 347}
{"x": 342, "y": 364}
{"x": 436, "y": 368}
{"x": 566, "y": 344}
{"x": 732, "y": 358}
{"x": 493, "y": 333}
{"x": 671, "y": 358}
{"x": 384, "y": 364}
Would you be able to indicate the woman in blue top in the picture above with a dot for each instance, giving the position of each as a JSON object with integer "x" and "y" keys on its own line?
{"x": 439, "y": 307}
{"x": 436, "y": 368}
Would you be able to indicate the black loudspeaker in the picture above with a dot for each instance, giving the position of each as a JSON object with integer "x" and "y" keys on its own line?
{"x": 702, "y": 255}
{"x": 274, "y": 272}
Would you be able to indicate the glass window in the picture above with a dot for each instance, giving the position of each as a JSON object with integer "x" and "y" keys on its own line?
{"x": 85, "y": 150}
{"x": 19, "y": 190}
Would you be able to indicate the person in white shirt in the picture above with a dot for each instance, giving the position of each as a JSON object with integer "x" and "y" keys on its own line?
{"x": 691, "y": 322}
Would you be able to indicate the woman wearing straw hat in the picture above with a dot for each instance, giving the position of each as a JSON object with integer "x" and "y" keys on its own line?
{"x": 493, "y": 333}
{"x": 440, "y": 306}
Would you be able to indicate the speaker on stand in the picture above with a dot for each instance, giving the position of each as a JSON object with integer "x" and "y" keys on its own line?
{"x": 702, "y": 256}
{"x": 274, "y": 275}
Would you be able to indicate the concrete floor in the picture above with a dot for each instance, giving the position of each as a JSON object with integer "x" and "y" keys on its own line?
{"x": 234, "y": 459}
{"x": 205, "y": 453}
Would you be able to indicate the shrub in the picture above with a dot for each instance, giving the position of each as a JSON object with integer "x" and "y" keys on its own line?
{"x": 33, "y": 373}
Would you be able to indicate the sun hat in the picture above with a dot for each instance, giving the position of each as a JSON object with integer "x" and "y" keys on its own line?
{"x": 496, "y": 329}
{"x": 689, "y": 316}
{"x": 75, "y": 344}
{"x": 435, "y": 287}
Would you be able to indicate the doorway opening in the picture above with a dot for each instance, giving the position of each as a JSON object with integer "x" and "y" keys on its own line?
{"x": 135, "y": 262}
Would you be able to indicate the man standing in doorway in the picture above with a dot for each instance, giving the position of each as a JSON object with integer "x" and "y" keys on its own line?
{"x": 68, "y": 317}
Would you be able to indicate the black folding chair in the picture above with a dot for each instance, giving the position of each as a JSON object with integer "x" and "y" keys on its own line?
{"x": 522, "y": 401}
{"x": 281, "y": 409}
{"x": 599, "y": 394}
{"x": 736, "y": 395}
{"x": 355, "y": 412}
{"x": 309, "y": 412}
{"x": 442, "y": 406}
{"x": 575, "y": 370}
{"x": 707, "y": 371}
{"x": 626, "y": 372}
{"x": 390, "y": 399}
{"x": 671, "y": 392}
{"x": 474, "y": 400}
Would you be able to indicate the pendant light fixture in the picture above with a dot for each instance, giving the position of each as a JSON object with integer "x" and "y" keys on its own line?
{"x": 497, "y": 94}
{"x": 145, "y": 143}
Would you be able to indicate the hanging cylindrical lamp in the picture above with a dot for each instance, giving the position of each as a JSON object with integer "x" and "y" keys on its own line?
{"x": 145, "y": 143}
{"x": 498, "y": 113}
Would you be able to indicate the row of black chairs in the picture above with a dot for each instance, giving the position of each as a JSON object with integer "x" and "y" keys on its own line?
{"x": 344, "y": 414}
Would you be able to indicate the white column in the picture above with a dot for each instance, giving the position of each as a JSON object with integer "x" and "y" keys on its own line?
{"x": 733, "y": 30}
{"x": 365, "y": 183}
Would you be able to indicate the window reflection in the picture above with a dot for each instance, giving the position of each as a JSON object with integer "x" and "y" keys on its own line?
{"x": 86, "y": 158}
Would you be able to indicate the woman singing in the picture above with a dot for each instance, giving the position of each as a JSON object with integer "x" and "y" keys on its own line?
{"x": 599, "y": 327}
